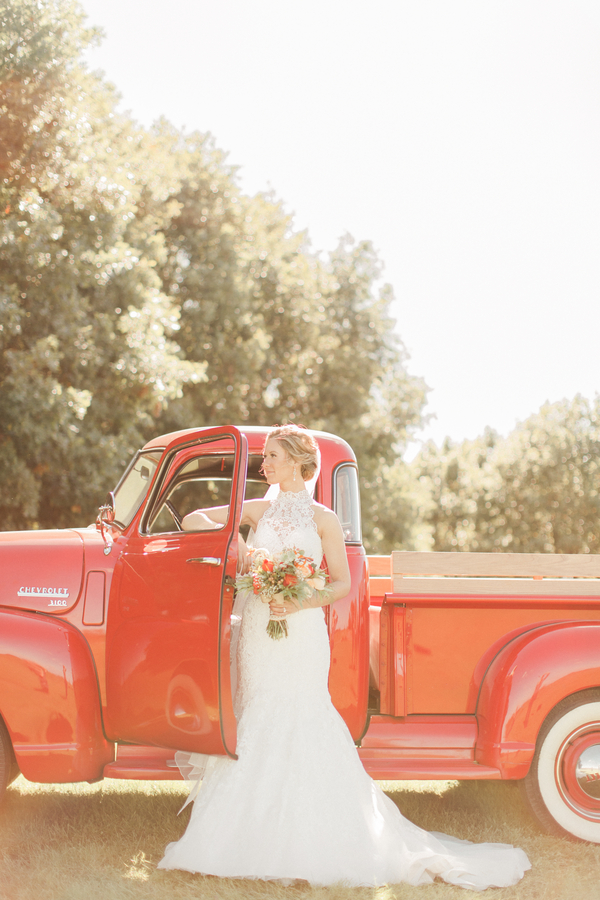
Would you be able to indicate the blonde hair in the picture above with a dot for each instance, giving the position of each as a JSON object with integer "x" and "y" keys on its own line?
{"x": 299, "y": 445}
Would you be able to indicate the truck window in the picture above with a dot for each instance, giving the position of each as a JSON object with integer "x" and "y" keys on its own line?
{"x": 134, "y": 485}
{"x": 346, "y": 502}
{"x": 197, "y": 483}
{"x": 201, "y": 482}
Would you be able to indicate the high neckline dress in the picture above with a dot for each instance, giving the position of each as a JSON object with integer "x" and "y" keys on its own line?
{"x": 297, "y": 803}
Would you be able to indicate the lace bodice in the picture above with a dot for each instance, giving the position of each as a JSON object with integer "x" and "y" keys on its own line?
{"x": 289, "y": 522}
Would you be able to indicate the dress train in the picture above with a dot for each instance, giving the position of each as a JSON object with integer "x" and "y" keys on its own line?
{"x": 298, "y": 804}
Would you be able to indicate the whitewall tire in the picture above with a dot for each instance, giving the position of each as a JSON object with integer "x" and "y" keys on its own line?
{"x": 563, "y": 784}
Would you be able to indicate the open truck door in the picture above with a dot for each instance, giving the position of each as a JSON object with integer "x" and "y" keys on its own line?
{"x": 168, "y": 629}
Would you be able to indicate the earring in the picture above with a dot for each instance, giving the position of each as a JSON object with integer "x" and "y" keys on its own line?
{"x": 295, "y": 468}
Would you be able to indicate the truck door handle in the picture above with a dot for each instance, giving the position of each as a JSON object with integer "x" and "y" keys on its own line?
{"x": 206, "y": 560}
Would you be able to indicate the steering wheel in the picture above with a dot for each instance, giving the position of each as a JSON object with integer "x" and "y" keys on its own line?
{"x": 176, "y": 516}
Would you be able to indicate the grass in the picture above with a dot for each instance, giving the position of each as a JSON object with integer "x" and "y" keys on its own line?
{"x": 102, "y": 842}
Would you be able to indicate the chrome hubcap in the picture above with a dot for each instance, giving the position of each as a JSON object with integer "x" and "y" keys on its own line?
{"x": 587, "y": 771}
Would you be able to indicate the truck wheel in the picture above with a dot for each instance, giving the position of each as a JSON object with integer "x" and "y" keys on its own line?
{"x": 563, "y": 784}
{"x": 8, "y": 766}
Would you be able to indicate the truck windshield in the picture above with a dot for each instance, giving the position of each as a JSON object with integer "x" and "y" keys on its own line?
{"x": 134, "y": 485}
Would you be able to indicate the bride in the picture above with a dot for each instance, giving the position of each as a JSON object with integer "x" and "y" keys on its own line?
{"x": 297, "y": 803}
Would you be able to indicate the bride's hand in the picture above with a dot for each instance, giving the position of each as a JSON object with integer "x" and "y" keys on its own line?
{"x": 280, "y": 609}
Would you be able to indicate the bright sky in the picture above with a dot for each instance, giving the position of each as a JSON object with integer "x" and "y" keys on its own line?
{"x": 462, "y": 138}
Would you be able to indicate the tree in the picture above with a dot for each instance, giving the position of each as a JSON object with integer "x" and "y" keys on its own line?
{"x": 41, "y": 43}
{"x": 458, "y": 478}
{"x": 549, "y": 470}
{"x": 284, "y": 335}
{"x": 86, "y": 353}
{"x": 142, "y": 292}
{"x": 537, "y": 491}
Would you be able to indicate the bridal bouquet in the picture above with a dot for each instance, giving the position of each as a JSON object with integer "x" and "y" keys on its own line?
{"x": 289, "y": 575}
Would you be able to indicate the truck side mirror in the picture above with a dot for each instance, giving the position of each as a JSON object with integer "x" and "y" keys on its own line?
{"x": 106, "y": 516}
{"x": 109, "y": 508}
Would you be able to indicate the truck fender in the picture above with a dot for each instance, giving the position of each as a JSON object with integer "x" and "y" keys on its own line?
{"x": 524, "y": 682}
{"x": 49, "y": 699}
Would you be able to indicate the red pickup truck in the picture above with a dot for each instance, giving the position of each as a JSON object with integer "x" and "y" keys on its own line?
{"x": 114, "y": 641}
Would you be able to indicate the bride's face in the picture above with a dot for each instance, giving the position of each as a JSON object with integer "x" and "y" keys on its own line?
{"x": 277, "y": 465}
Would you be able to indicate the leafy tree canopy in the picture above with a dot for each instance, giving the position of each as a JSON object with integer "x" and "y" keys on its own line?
{"x": 536, "y": 491}
{"x": 141, "y": 291}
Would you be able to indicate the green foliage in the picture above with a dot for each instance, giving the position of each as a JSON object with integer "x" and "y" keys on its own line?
{"x": 537, "y": 491}
{"x": 142, "y": 292}
{"x": 41, "y": 43}
{"x": 286, "y": 336}
{"x": 86, "y": 348}
{"x": 395, "y": 510}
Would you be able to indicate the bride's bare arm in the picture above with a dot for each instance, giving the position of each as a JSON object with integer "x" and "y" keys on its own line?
{"x": 205, "y": 519}
{"x": 334, "y": 550}
{"x": 213, "y": 516}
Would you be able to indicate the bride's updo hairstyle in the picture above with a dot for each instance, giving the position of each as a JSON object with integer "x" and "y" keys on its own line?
{"x": 300, "y": 446}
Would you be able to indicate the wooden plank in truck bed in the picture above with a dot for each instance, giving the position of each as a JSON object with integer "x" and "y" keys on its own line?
{"x": 499, "y": 565}
{"x": 496, "y": 574}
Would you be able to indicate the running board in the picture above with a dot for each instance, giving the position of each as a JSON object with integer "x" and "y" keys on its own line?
{"x": 404, "y": 768}
{"x": 136, "y": 761}
{"x": 422, "y": 747}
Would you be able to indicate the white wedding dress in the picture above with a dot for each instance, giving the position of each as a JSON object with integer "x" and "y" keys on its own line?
{"x": 298, "y": 804}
